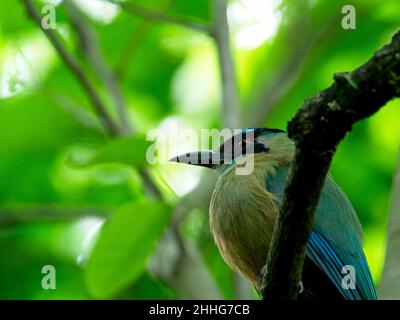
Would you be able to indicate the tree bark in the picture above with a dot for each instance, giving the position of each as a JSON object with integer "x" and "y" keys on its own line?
{"x": 318, "y": 127}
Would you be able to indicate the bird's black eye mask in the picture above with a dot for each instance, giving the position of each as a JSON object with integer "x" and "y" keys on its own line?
{"x": 244, "y": 143}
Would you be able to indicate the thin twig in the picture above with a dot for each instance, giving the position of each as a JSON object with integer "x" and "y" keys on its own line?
{"x": 17, "y": 215}
{"x": 230, "y": 111}
{"x": 180, "y": 276}
{"x": 74, "y": 66}
{"x": 148, "y": 14}
{"x": 83, "y": 116}
{"x": 70, "y": 62}
{"x": 90, "y": 46}
{"x": 149, "y": 186}
{"x": 93, "y": 52}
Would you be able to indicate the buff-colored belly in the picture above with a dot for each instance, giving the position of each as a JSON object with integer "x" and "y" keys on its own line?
{"x": 242, "y": 214}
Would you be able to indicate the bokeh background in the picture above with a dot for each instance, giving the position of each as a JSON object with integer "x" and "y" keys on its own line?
{"x": 74, "y": 197}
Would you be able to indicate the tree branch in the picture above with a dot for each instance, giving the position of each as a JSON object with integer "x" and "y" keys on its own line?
{"x": 230, "y": 111}
{"x": 74, "y": 66}
{"x": 91, "y": 48}
{"x": 148, "y": 184}
{"x": 318, "y": 127}
{"x": 9, "y": 216}
{"x": 83, "y": 116}
{"x": 220, "y": 32}
{"x": 389, "y": 286}
{"x": 148, "y": 14}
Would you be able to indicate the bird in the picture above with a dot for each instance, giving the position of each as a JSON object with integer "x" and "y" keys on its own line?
{"x": 244, "y": 208}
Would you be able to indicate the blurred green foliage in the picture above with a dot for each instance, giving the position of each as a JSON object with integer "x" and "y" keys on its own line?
{"x": 55, "y": 157}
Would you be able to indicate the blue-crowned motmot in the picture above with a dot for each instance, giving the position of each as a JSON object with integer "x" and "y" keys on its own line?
{"x": 243, "y": 210}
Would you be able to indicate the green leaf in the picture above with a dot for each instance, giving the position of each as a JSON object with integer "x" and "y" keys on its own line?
{"x": 146, "y": 287}
{"x": 127, "y": 150}
{"x": 125, "y": 242}
{"x": 13, "y": 19}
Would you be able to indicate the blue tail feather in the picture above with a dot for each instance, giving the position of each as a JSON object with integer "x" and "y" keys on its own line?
{"x": 331, "y": 259}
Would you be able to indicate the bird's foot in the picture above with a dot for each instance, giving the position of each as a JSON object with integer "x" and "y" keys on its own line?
{"x": 301, "y": 287}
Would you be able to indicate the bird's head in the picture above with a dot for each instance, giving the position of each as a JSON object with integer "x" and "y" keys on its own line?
{"x": 259, "y": 143}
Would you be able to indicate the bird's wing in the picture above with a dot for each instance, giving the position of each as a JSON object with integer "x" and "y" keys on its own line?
{"x": 341, "y": 268}
{"x": 335, "y": 241}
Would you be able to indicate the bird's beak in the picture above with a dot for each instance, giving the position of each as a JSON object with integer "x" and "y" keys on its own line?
{"x": 208, "y": 159}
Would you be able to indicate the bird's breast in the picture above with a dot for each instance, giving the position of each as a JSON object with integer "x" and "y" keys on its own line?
{"x": 242, "y": 214}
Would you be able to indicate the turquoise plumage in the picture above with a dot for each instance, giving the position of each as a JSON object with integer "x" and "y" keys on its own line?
{"x": 243, "y": 210}
{"x": 336, "y": 238}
